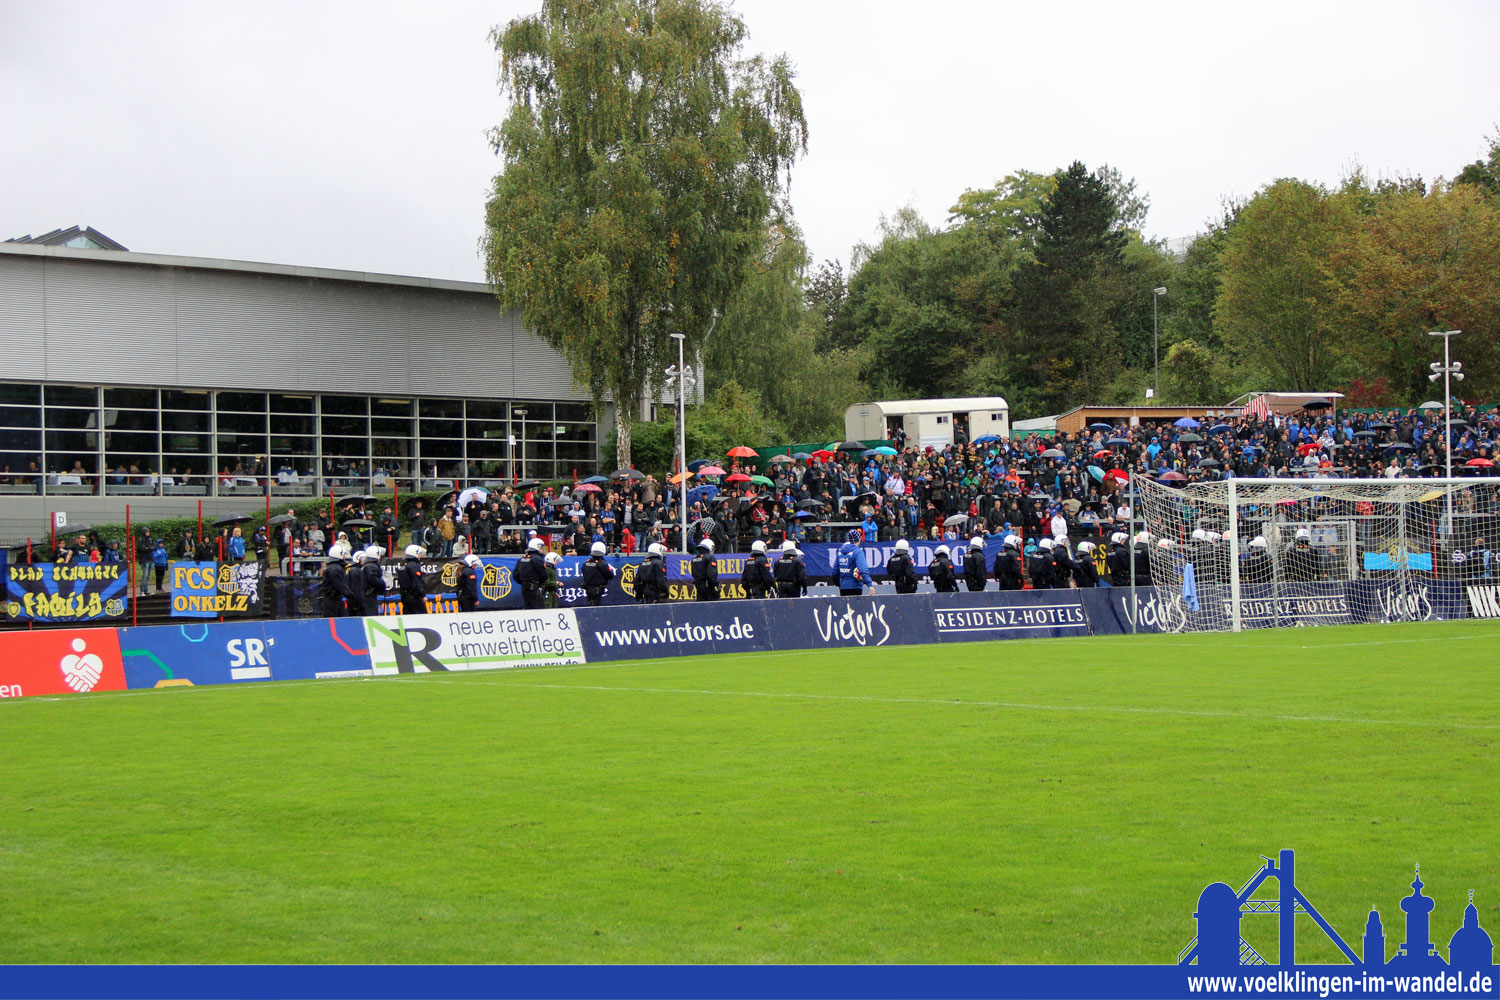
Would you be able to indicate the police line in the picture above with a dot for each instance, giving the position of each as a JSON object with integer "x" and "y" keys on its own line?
{"x": 60, "y": 661}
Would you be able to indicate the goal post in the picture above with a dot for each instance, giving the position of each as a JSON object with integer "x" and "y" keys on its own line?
{"x": 1258, "y": 553}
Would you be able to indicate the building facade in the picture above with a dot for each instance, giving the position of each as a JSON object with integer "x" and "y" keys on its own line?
{"x": 130, "y": 374}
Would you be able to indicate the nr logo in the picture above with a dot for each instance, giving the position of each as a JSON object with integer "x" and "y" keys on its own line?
{"x": 627, "y": 578}
{"x": 496, "y": 582}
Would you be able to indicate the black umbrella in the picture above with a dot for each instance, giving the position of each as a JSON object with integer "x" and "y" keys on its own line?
{"x": 282, "y": 519}
{"x": 1365, "y": 434}
{"x": 359, "y": 522}
{"x": 1101, "y": 427}
{"x": 1383, "y": 426}
{"x": 809, "y": 504}
{"x": 1398, "y": 446}
{"x": 1209, "y": 463}
{"x": 356, "y": 498}
{"x": 527, "y": 484}
{"x": 850, "y": 446}
{"x": 627, "y": 474}
{"x": 229, "y": 519}
{"x": 1317, "y": 404}
{"x": 1189, "y": 438}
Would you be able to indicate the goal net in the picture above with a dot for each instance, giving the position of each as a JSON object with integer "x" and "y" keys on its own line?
{"x": 1261, "y": 553}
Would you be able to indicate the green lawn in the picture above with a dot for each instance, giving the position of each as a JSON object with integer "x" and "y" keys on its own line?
{"x": 1024, "y": 801}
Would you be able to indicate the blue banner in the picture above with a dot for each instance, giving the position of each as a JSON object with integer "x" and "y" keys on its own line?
{"x": 66, "y": 592}
{"x": 651, "y": 630}
{"x": 211, "y": 589}
{"x": 851, "y": 621}
{"x": 234, "y": 652}
{"x": 1014, "y": 614}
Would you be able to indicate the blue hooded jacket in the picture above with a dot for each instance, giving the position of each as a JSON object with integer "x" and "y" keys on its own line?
{"x": 852, "y": 558}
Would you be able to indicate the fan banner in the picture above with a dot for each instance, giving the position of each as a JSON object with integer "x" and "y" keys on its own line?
{"x": 66, "y": 592}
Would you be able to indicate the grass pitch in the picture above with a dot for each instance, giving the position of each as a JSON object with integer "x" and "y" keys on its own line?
{"x": 1022, "y": 801}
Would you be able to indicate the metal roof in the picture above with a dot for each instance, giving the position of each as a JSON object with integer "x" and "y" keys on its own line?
{"x": 939, "y": 405}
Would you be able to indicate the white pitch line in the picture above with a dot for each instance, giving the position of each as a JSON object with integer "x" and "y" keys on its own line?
{"x": 1026, "y": 706}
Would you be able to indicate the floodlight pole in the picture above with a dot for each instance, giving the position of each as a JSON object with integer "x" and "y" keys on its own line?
{"x": 1156, "y": 293}
{"x": 680, "y": 374}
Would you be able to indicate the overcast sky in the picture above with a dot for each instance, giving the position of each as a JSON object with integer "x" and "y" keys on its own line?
{"x": 352, "y": 135}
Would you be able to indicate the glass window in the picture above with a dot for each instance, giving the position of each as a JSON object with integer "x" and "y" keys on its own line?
{"x": 440, "y": 407}
{"x": 181, "y": 465}
{"x": 354, "y": 406}
{"x": 70, "y": 441}
{"x": 391, "y": 407}
{"x": 130, "y": 420}
{"x": 242, "y": 423}
{"x": 133, "y": 464}
{"x": 184, "y": 443}
{"x": 133, "y": 399}
{"x": 576, "y": 454}
{"x": 72, "y": 418}
{"x": 345, "y": 426}
{"x": 185, "y": 422}
{"x": 183, "y": 399}
{"x": 21, "y": 440}
{"x": 293, "y": 425}
{"x": 575, "y": 432}
{"x": 389, "y": 427}
{"x": 487, "y": 449}
{"x": 242, "y": 444}
{"x": 487, "y": 409}
{"x": 72, "y": 395}
{"x": 242, "y": 402}
{"x": 16, "y": 392}
{"x": 291, "y": 404}
{"x": 347, "y": 447}
{"x": 20, "y": 416}
{"x": 130, "y": 441}
{"x": 442, "y": 430}
{"x": 287, "y": 444}
{"x": 575, "y": 412}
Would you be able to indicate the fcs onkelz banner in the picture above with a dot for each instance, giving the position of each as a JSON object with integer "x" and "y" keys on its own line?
{"x": 484, "y": 640}
{"x": 66, "y": 592}
{"x": 211, "y": 589}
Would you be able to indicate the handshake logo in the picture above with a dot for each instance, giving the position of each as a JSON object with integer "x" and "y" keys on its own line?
{"x": 80, "y": 670}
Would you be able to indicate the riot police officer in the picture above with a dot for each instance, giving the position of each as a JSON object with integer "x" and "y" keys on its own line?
{"x": 412, "y": 582}
{"x": 944, "y": 581}
{"x": 975, "y": 578}
{"x": 531, "y": 574}
{"x": 901, "y": 568}
{"x": 706, "y": 572}
{"x": 1008, "y": 564}
{"x": 335, "y": 589}
{"x": 651, "y": 578}
{"x": 1118, "y": 560}
{"x": 791, "y": 573}
{"x": 374, "y": 583}
{"x": 758, "y": 578}
{"x": 468, "y": 584}
{"x": 1085, "y": 573}
{"x": 596, "y": 574}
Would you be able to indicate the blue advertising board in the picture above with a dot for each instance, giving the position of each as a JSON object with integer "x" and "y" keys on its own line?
{"x": 851, "y": 621}
{"x": 233, "y": 652}
{"x": 1011, "y": 614}
{"x": 675, "y": 629}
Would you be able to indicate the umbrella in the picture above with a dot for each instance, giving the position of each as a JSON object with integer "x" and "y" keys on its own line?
{"x": 761, "y": 480}
{"x": 1173, "y": 477}
{"x": 711, "y": 470}
{"x": 1220, "y": 429}
{"x": 1119, "y": 475}
{"x": 804, "y": 513}
{"x": 887, "y": 450}
{"x": 1317, "y": 404}
{"x": 1103, "y": 453}
{"x": 809, "y": 504}
{"x": 1101, "y": 427}
{"x": 697, "y": 462}
{"x": 471, "y": 494}
{"x": 1458, "y": 423}
{"x": 1072, "y": 504}
{"x": 1117, "y": 442}
{"x": 1431, "y": 404}
{"x": 741, "y": 452}
{"x": 1382, "y": 426}
{"x": 1303, "y": 449}
{"x": 775, "y": 460}
{"x": 229, "y": 519}
{"x": 1053, "y": 453}
{"x": 359, "y": 522}
{"x": 955, "y": 519}
{"x": 1188, "y": 423}
{"x": 868, "y": 452}
{"x": 1209, "y": 463}
{"x": 1398, "y": 446}
{"x": 823, "y": 455}
{"x": 447, "y": 498}
{"x": 281, "y": 519}
{"x": 849, "y": 446}
{"x": 596, "y": 479}
{"x": 981, "y": 439}
{"x": 356, "y": 498}
{"x": 1097, "y": 473}
{"x": 627, "y": 474}
{"x": 738, "y": 477}
{"x": 677, "y": 477}
{"x": 587, "y": 488}
{"x": 1189, "y": 438}
{"x": 1365, "y": 434}
{"x": 802, "y": 456}
{"x": 527, "y": 484}
{"x": 1473, "y": 463}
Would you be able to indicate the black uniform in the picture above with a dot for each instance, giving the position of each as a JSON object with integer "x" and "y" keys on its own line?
{"x": 791, "y": 576}
{"x": 413, "y": 586}
{"x": 1257, "y": 566}
{"x": 335, "y": 590}
{"x": 530, "y": 574}
{"x": 943, "y": 579}
{"x": 651, "y": 581}
{"x": 903, "y": 572}
{"x": 1039, "y": 568}
{"x": 468, "y": 588}
{"x": 975, "y": 577}
{"x": 596, "y": 576}
{"x": 1142, "y": 562}
{"x": 1118, "y": 564}
{"x": 758, "y": 578}
{"x": 374, "y": 586}
{"x": 1085, "y": 573}
{"x": 1062, "y": 566}
{"x": 706, "y": 576}
{"x": 1301, "y": 562}
{"x": 1008, "y": 569}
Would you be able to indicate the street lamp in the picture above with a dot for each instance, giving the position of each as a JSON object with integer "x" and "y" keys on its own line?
{"x": 521, "y": 418}
{"x": 1447, "y": 370}
{"x": 679, "y": 373}
{"x": 1156, "y": 293}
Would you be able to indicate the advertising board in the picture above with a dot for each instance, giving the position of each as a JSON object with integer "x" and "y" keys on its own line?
{"x": 484, "y": 640}
{"x": 60, "y": 661}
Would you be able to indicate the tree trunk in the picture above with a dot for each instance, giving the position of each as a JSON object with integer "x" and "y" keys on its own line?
{"x": 622, "y": 435}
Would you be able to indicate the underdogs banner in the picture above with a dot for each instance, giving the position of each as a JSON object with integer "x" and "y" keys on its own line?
{"x": 66, "y": 592}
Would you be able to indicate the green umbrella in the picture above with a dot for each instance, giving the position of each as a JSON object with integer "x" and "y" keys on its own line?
{"x": 762, "y": 480}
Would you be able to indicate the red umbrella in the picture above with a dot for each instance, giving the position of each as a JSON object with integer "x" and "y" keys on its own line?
{"x": 1303, "y": 449}
{"x": 1173, "y": 477}
{"x": 1118, "y": 474}
{"x": 586, "y": 488}
{"x": 738, "y": 477}
{"x": 741, "y": 452}
{"x": 1480, "y": 463}
{"x": 822, "y": 454}
{"x": 1103, "y": 453}
{"x": 710, "y": 470}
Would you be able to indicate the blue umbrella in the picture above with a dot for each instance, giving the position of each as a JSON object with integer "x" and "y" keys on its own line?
{"x": 1163, "y": 471}
{"x": 868, "y": 452}
{"x": 804, "y": 513}
{"x": 1101, "y": 427}
{"x": 698, "y": 463}
{"x": 1097, "y": 473}
{"x": 1187, "y": 422}
{"x": 884, "y": 449}
{"x": 1117, "y": 441}
{"x": 981, "y": 439}
{"x": 596, "y": 479}
{"x": 1220, "y": 429}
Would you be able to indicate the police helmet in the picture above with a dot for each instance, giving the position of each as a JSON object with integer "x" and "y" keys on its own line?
{"x": 1119, "y": 538}
{"x": 941, "y": 550}
{"x": 597, "y": 549}
{"x": 757, "y": 546}
{"x": 1012, "y": 541}
{"x": 1085, "y": 547}
{"x": 976, "y": 542}
{"x": 536, "y": 545}
{"x": 788, "y": 546}
{"x": 707, "y": 544}
{"x": 1199, "y": 535}
{"x": 553, "y": 558}
{"x": 902, "y": 545}
{"x": 471, "y": 559}
{"x": 1046, "y": 543}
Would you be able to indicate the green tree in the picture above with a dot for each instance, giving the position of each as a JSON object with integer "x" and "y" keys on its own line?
{"x": 1279, "y": 309}
{"x": 642, "y": 156}
{"x": 1191, "y": 373}
{"x": 1484, "y": 174}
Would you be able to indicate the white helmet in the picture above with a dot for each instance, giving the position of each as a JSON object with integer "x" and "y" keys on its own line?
{"x": 941, "y": 550}
{"x": 374, "y": 552}
{"x": 707, "y": 543}
{"x": 1259, "y": 542}
{"x": 471, "y": 559}
{"x": 597, "y": 549}
{"x": 1143, "y": 538}
{"x": 976, "y": 542}
{"x": 415, "y": 551}
{"x": 1166, "y": 543}
{"x": 358, "y": 556}
{"x": 1303, "y": 533}
{"x": 536, "y": 544}
{"x": 553, "y": 558}
{"x": 1046, "y": 543}
{"x": 1012, "y": 541}
{"x": 1060, "y": 540}
{"x": 788, "y": 546}
{"x": 757, "y": 546}
{"x": 902, "y": 545}
{"x": 657, "y": 549}
{"x": 1213, "y": 536}
{"x": 1119, "y": 538}
{"x": 1085, "y": 547}
{"x": 1199, "y": 535}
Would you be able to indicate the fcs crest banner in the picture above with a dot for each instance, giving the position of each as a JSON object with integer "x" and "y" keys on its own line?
{"x": 67, "y": 592}
{"x": 210, "y": 589}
